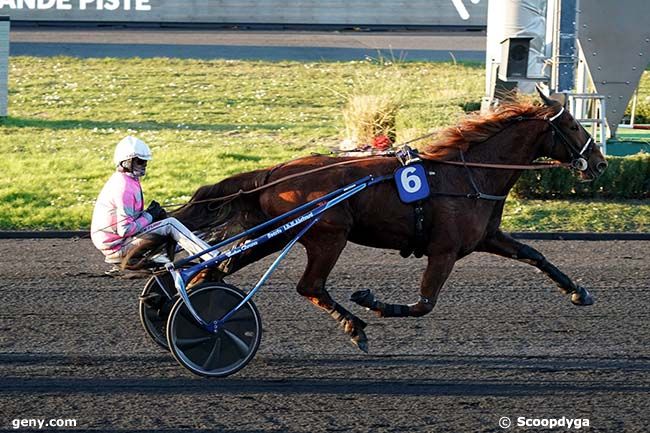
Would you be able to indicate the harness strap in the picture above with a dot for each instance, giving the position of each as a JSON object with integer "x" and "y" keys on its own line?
{"x": 538, "y": 166}
{"x": 478, "y": 193}
{"x": 419, "y": 242}
{"x": 585, "y": 147}
{"x": 558, "y": 114}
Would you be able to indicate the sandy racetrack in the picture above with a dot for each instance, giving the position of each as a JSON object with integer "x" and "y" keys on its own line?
{"x": 501, "y": 342}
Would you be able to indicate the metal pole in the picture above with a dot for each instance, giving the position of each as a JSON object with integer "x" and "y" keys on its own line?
{"x": 4, "y": 64}
{"x": 567, "y": 45}
{"x": 603, "y": 125}
{"x": 633, "y": 110}
{"x": 555, "y": 41}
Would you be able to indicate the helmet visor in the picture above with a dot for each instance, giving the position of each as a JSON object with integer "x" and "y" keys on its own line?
{"x": 138, "y": 167}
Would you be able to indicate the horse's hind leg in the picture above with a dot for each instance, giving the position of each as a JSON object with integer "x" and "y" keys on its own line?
{"x": 321, "y": 258}
{"x": 439, "y": 266}
{"x": 503, "y": 245}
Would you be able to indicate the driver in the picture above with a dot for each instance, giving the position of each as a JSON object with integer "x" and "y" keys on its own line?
{"x": 120, "y": 223}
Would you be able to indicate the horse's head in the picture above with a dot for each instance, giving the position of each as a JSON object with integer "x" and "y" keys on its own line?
{"x": 572, "y": 143}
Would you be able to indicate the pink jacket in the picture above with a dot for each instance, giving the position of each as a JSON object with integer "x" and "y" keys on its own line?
{"x": 118, "y": 213}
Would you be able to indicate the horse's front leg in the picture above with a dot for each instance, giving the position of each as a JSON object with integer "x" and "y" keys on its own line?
{"x": 503, "y": 245}
{"x": 439, "y": 267}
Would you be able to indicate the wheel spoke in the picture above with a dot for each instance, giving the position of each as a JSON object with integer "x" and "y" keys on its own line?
{"x": 214, "y": 353}
{"x": 169, "y": 296}
{"x": 161, "y": 286}
{"x": 239, "y": 343}
{"x": 188, "y": 343}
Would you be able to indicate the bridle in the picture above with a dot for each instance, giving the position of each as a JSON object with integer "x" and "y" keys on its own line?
{"x": 579, "y": 162}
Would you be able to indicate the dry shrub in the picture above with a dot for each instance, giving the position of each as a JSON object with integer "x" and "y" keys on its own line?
{"x": 369, "y": 116}
{"x": 373, "y": 104}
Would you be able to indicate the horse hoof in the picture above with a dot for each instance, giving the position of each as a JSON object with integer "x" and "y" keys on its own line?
{"x": 362, "y": 345}
{"x": 360, "y": 340}
{"x": 582, "y": 297}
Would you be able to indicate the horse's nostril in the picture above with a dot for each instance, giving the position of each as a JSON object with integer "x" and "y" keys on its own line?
{"x": 601, "y": 166}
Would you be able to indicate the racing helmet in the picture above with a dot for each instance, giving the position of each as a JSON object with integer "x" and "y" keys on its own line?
{"x": 130, "y": 147}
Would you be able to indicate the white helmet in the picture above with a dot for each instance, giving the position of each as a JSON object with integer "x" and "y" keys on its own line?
{"x": 131, "y": 147}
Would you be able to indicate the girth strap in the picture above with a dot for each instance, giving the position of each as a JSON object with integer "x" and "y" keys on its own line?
{"x": 420, "y": 241}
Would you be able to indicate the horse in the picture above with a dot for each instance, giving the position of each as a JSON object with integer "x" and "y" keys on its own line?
{"x": 471, "y": 168}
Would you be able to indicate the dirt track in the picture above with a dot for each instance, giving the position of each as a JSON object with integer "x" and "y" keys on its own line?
{"x": 501, "y": 342}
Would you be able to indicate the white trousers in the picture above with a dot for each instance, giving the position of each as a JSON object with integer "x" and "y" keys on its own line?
{"x": 175, "y": 229}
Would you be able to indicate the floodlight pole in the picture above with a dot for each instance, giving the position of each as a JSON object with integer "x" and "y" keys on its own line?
{"x": 566, "y": 54}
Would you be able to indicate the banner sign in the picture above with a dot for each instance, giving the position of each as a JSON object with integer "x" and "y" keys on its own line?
{"x": 82, "y": 5}
{"x": 320, "y": 12}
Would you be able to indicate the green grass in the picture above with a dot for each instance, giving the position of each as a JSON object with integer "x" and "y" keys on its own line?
{"x": 576, "y": 215}
{"x": 206, "y": 120}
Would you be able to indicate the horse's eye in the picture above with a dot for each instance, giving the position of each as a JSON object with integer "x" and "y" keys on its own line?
{"x": 574, "y": 128}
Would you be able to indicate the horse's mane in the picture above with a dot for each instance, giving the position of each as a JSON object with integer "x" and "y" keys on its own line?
{"x": 476, "y": 128}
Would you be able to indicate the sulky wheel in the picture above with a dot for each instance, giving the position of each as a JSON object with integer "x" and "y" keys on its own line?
{"x": 209, "y": 354}
{"x": 156, "y": 301}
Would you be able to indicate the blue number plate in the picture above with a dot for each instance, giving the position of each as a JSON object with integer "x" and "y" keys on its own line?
{"x": 412, "y": 183}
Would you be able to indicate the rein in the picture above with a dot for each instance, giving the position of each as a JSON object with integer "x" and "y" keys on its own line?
{"x": 579, "y": 163}
{"x": 538, "y": 166}
{"x": 231, "y": 197}
{"x": 423, "y": 155}
{"x": 275, "y": 182}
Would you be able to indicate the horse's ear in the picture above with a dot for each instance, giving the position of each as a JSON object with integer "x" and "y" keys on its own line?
{"x": 550, "y": 101}
{"x": 560, "y": 98}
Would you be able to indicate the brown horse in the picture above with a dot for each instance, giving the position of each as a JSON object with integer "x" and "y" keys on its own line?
{"x": 455, "y": 220}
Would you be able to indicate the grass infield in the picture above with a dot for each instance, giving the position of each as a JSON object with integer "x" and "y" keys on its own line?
{"x": 206, "y": 120}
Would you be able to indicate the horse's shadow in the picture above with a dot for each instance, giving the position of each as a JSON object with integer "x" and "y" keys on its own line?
{"x": 518, "y": 378}
{"x": 55, "y": 124}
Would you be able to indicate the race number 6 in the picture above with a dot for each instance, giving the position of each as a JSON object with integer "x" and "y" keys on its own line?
{"x": 411, "y": 182}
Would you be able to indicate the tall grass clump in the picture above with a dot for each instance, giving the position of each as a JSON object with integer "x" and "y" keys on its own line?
{"x": 373, "y": 103}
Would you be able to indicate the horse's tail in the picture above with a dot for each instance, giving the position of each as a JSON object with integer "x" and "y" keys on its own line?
{"x": 217, "y": 211}
{"x": 226, "y": 209}
{"x": 212, "y": 205}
